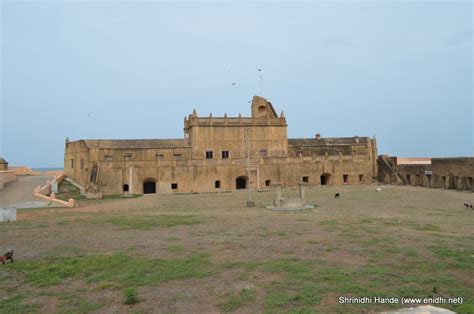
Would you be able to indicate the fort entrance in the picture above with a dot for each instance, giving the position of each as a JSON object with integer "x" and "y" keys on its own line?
{"x": 149, "y": 187}
{"x": 241, "y": 183}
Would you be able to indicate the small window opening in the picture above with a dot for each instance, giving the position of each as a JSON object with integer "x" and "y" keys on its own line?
{"x": 361, "y": 178}
{"x": 345, "y": 178}
{"x": 125, "y": 187}
{"x": 306, "y": 179}
{"x": 174, "y": 186}
{"x": 217, "y": 184}
{"x": 209, "y": 154}
{"x": 225, "y": 154}
{"x": 268, "y": 182}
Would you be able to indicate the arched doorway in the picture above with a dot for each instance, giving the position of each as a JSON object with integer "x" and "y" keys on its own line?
{"x": 149, "y": 187}
{"x": 241, "y": 183}
{"x": 326, "y": 179}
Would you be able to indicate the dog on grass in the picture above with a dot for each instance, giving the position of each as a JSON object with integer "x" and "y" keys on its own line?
{"x": 337, "y": 195}
{"x": 6, "y": 257}
{"x": 468, "y": 206}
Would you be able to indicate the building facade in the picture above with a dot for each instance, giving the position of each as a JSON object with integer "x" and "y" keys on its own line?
{"x": 216, "y": 154}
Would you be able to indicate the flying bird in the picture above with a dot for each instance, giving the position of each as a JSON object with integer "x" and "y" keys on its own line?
{"x": 234, "y": 83}
{"x": 260, "y": 70}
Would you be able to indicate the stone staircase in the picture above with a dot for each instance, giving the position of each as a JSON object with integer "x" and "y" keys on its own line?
{"x": 398, "y": 176}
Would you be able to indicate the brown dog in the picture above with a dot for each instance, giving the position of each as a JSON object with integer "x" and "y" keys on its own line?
{"x": 6, "y": 257}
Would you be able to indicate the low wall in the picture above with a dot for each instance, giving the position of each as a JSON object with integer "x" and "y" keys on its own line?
{"x": 445, "y": 173}
{"x": 8, "y": 214}
{"x": 26, "y": 171}
{"x": 6, "y": 176}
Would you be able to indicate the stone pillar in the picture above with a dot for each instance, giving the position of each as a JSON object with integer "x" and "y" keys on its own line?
{"x": 54, "y": 186}
{"x": 302, "y": 186}
{"x": 277, "y": 194}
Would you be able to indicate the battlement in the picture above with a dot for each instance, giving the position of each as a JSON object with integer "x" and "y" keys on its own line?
{"x": 232, "y": 121}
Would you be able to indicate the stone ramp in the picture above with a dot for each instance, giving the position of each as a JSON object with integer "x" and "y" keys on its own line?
{"x": 19, "y": 193}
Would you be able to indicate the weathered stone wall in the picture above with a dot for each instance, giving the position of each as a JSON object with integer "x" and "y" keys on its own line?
{"x": 6, "y": 176}
{"x": 447, "y": 173}
{"x": 186, "y": 165}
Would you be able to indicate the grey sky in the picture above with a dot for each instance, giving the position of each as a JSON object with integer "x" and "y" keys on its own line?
{"x": 400, "y": 70}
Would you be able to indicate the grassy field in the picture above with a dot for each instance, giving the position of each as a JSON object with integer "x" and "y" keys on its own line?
{"x": 207, "y": 253}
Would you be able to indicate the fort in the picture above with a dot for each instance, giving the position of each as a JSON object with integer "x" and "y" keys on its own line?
{"x": 216, "y": 154}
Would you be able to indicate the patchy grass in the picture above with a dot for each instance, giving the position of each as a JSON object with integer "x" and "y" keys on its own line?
{"x": 66, "y": 190}
{"x": 151, "y": 222}
{"x": 16, "y": 304}
{"x": 235, "y": 301}
{"x": 119, "y": 268}
{"x": 176, "y": 248}
{"x": 396, "y": 243}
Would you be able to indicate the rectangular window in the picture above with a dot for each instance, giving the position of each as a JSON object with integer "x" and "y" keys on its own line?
{"x": 177, "y": 156}
{"x": 345, "y": 178}
{"x": 306, "y": 179}
{"x": 109, "y": 157}
{"x": 217, "y": 184}
{"x": 225, "y": 154}
{"x": 174, "y": 186}
{"x": 361, "y": 178}
{"x": 268, "y": 182}
{"x": 72, "y": 163}
{"x": 159, "y": 157}
{"x": 127, "y": 157}
{"x": 82, "y": 163}
{"x": 209, "y": 154}
{"x": 263, "y": 153}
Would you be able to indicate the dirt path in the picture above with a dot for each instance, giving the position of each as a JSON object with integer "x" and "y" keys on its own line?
{"x": 19, "y": 193}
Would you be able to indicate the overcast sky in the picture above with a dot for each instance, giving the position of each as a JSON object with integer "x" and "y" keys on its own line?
{"x": 399, "y": 70}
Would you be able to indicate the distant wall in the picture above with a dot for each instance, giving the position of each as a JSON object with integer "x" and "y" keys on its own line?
{"x": 447, "y": 173}
{"x": 413, "y": 161}
{"x": 6, "y": 176}
{"x": 21, "y": 170}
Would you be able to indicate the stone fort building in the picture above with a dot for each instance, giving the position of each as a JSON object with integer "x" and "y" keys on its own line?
{"x": 213, "y": 156}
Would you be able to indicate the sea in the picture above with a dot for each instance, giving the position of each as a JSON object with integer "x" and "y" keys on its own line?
{"x": 48, "y": 169}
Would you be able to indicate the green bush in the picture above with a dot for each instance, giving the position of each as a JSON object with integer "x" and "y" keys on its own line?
{"x": 130, "y": 296}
